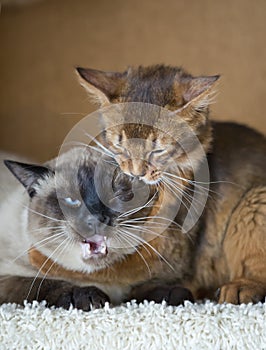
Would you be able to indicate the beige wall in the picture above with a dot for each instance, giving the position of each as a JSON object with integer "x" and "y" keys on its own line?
{"x": 41, "y": 43}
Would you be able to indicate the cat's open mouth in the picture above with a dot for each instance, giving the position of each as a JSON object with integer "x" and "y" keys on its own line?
{"x": 95, "y": 246}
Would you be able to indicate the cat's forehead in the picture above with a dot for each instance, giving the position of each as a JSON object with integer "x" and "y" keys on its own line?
{"x": 135, "y": 131}
{"x": 144, "y": 133}
{"x": 158, "y": 85}
{"x": 68, "y": 166}
{"x": 83, "y": 168}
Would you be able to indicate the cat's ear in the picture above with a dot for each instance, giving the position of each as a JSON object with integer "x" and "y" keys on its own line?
{"x": 28, "y": 174}
{"x": 199, "y": 87}
{"x": 102, "y": 86}
{"x": 198, "y": 93}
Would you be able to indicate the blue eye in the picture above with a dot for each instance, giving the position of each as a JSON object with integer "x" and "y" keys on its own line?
{"x": 75, "y": 203}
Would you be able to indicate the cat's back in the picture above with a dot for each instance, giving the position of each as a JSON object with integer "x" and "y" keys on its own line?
{"x": 233, "y": 223}
{"x": 238, "y": 155}
{"x": 237, "y": 164}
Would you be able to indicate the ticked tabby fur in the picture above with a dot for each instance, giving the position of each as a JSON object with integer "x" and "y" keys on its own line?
{"x": 228, "y": 250}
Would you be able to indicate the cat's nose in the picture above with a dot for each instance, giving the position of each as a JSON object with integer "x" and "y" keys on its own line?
{"x": 138, "y": 168}
{"x": 104, "y": 219}
{"x": 96, "y": 219}
{"x": 138, "y": 174}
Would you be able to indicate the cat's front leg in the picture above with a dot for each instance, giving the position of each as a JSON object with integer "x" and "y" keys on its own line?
{"x": 173, "y": 294}
{"x": 57, "y": 293}
{"x": 242, "y": 291}
{"x": 245, "y": 250}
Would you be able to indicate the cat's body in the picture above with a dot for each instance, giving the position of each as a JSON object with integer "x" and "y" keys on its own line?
{"x": 231, "y": 245}
{"x": 62, "y": 214}
{"x": 226, "y": 247}
{"x": 17, "y": 237}
{"x": 229, "y": 241}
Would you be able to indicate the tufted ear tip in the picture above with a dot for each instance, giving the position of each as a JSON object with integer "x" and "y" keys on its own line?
{"x": 79, "y": 70}
{"x": 86, "y": 73}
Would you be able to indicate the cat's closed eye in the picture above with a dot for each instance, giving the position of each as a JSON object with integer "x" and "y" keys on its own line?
{"x": 118, "y": 149}
{"x": 158, "y": 151}
{"x": 118, "y": 146}
{"x": 117, "y": 141}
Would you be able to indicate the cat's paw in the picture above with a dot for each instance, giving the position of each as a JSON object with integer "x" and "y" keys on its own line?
{"x": 84, "y": 298}
{"x": 173, "y": 295}
{"x": 241, "y": 291}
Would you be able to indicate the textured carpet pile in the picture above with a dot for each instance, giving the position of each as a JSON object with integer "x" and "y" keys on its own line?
{"x": 131, "y": 326}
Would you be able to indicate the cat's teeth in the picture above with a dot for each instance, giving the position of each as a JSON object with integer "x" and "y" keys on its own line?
{"x": 103, "y": 249}
{"x": 90, "y": 249}
{"x": 86, "y": 250}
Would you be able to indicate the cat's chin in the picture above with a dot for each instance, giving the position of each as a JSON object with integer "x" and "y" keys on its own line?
{"x": 150, "y": 182}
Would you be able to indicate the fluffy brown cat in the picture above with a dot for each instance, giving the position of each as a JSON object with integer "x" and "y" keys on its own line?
{"x": 228, "y": 252}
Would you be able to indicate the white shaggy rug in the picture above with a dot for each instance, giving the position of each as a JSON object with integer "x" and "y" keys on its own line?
{"x": 146, "y": 326}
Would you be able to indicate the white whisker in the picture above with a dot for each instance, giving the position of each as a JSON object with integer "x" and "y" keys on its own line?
{"x": 181, "y": 192}
{"x": 143, "y": 228}
{"x": 40, "y": 229}
{"x": 45, "y": 262}
{"x": 137, "y": 250}
{"x": 74, "y": 113}
{"x": 43, "y": 215}
{"x": 154, "y": 250}
{"x": 156, "y": 217}
{"x": 135, "y": 210}
{"x": 199, "y": 183}
{"x": 150, "y": 224}
{"x": 53, "y": 263}
{"x": 40, "y": 244}
{"x": 107, "y": 151}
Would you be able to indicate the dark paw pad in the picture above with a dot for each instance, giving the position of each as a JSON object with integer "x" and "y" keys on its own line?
{"x": 173, "y": 295}
{"x": 177, "y": 295}
{"x": 87, "y": 297}
{"x": 84, "y": 298}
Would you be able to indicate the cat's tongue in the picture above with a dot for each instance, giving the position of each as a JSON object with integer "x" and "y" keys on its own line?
{"x": 94, "y": 246}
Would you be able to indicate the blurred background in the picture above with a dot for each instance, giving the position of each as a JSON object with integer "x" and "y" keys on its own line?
{"x": 42, "y": 41}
